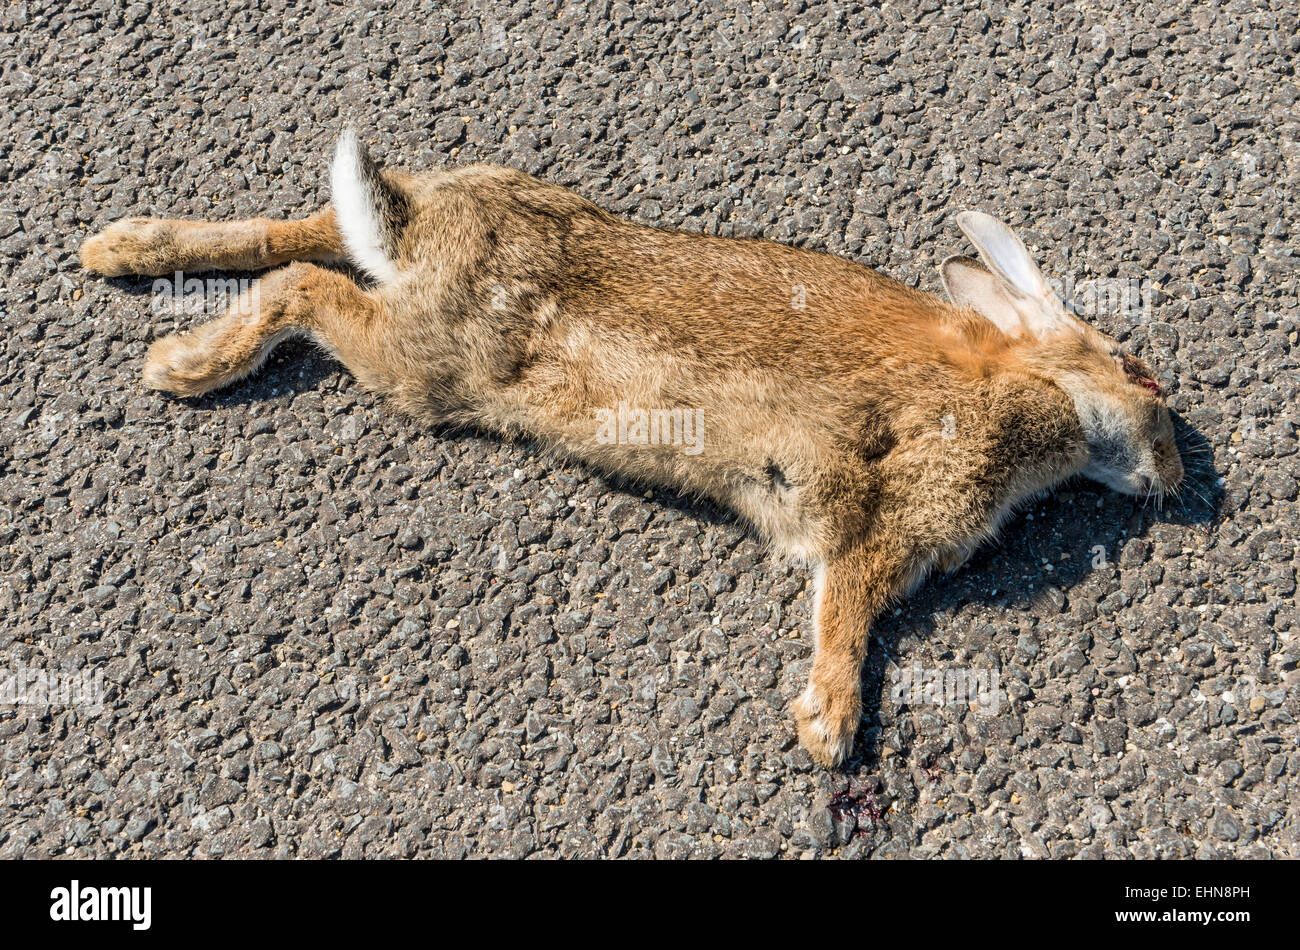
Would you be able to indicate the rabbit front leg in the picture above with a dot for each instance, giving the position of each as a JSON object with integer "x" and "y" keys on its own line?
{"x": 852, "y": 587}
{"x": 953, "y": 559}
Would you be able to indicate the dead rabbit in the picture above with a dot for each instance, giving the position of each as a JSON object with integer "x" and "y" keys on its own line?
{"x": 872, "y": 429}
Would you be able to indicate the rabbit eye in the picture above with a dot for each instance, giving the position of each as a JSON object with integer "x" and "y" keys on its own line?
{"x": 1139, "y": 374}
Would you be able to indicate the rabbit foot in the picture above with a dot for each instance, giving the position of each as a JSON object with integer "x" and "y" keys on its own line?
{"x": 131, "y": 246}
{"x": 828, "y": 722}
{"x": 954, "y": 559}
{"x": 182, "y": 364}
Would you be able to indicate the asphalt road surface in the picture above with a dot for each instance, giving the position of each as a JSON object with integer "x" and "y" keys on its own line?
{"x": 323, "y": 630}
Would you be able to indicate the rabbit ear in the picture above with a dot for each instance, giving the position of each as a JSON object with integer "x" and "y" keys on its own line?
{"x": 969, "y": 284}
{"x": 1020, "y": 287}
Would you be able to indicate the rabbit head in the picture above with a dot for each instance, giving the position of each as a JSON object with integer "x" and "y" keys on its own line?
{"x": 1119, "y": 403}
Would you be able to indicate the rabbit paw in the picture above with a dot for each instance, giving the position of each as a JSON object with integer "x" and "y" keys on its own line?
{"x": 953, "y": 559}
{"x": 131, "y": 246}
{"x": 828, "y": 723}
{"x": 186, "y": 364}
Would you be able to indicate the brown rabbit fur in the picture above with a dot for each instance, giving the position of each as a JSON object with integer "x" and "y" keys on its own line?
{"x": 870, "y": 428}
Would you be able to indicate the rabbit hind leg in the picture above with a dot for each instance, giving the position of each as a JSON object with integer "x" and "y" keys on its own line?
{"x": 298, "y": 300}
{"x": 158, "y": 246}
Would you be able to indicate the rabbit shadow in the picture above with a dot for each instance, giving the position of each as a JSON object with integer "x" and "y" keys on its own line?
{"x": 1011, "y": 573}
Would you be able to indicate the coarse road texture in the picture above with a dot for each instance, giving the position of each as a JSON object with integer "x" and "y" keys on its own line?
{"x": 324, "y": 630}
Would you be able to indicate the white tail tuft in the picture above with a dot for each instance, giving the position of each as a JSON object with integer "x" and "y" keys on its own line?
{"x": 353, "y": 186}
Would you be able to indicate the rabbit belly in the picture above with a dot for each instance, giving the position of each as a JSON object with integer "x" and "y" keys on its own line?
{"x": 743, "y": 472}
